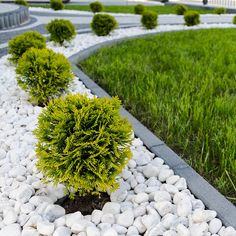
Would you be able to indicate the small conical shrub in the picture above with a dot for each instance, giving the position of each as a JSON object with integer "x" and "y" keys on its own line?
{"x": 83, "y": 143}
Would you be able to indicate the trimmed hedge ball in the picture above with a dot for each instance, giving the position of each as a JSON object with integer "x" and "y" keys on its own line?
{"x": 44, "y": 74}
{"x": 103, "y": 24}
{"x": 139, "y": 9}
{"x": 180, "y": 9}
{"x": 56, "y": 5}
{"x": 83, "y": 143}
{"x": 192, "y": 18}
{"x": 149, "y": 19}
{"x": 96, "y": 7}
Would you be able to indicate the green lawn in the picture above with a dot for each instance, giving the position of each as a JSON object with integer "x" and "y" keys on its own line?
{"x": 182, "y": 85}
{"x": 128, "y": 9}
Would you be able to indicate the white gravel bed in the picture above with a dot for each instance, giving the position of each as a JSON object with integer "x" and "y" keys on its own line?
{"x": 150, "y": 201}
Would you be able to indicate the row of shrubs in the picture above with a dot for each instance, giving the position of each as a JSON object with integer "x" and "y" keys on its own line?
{"x": 82, "y": 143}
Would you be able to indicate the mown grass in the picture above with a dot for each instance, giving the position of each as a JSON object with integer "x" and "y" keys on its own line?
{"x": 182, "y": 85}
{"x": 126, "y": 9}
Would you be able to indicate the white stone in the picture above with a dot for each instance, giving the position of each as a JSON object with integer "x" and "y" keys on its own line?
{"x": 184, "y": 207}
{"x": 169, "y": 188}
{"x": 132, "y": 230}
{"x": 53, "y": 212}
{"x": 181, "y": 184}
{"x": 164, "y": 174}
{"x": 111, "y": 207}
{"x": 155, "y": 230}
{"x": 140, "y": 178}
{"x": 150, "y": 220}
{"x": 29, "y": 231}
{"x": 140, "y": 188}
{"x": 119, "y": 195}
{"x": 92, "y": 231}
{"x": 230, "y": 231}
{"x": 170, "y": 233}
{"x": 172, "y": 179}
{"x": 163, "y": 207}
{"x": 182, "y": 230}
{"x": 104, "y": 226}
{"x": 141, "y": 197}
{"x": 215, "y": 225}
{"x": 200, "y": 215}
{"x": 2, "y": 153}
{"x": 9, "y": 216}
{"x": 160, "y": 196}
{"x": 108, "y": 218}
{"x": 62, "y": 231}
{"x": 139, "y": 225}
{"x": 196, "y": 230}
{"x": 80, "y": 226}
{"x": 109, "y": 232}
{"x": 96, "y": 216}
{"x": 11, "y": 230}
{"x": 150, "y": 171}
{"x": 19, "y": 170}
{"x": 60, "y": 221}
{"x": 73, "y": 218}
{"x": 119, "y": 229}
{"x": 24, "y": 193}
{"x": 139, "y": 211}
{"x": 27, "y": 208}
{"x": 169, "y": 221}
{"x": 125, "y": 219}
{"x": 45, "y": 228}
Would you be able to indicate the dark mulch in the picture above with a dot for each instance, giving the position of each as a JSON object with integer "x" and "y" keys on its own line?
{"x": 85, "y": 205}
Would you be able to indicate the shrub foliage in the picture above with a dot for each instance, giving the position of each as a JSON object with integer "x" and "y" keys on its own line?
{"x": 103, "y": 24}
{"x": 234, "y": 20}
{"x": 83, "y": 143}
{"x": 180, "y": 9}
{"x": 22, "y": 2}
{"x": 44, "y": 74}
{"x": 96, "y": 7}
{"x": 21, "y": 43}
{"x": 61, "y": 30}
{"x": 220, "y": 10}
{"x": 139, "y": 9}
{"x": 56, "y": 5}
{"x": 191, "y": 18}
{"x": 149, "y": 19}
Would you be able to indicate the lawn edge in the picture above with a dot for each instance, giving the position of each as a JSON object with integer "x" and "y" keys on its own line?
{"x": 212, "y": 199}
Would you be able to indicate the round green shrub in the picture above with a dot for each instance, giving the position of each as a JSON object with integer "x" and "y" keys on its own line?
{"x": 44, "y": 74}
{"x": 96, "y": 7}
{"x": 220, "y": 10}
{"x": 21, "y": 43}
{"x": 56, "y": 5}
{"x": 180, "y": 9}
{"x": 22, "y": 2}
{"x": 103, "y": 24}
{"x": 149, "y": 19}
{"x": 191, "y": 18}
{"x": 139, "y": 9}
{"x": 61, "y": 30}
{"x": 234, "y": 20}
{"x": 83, "y": 143}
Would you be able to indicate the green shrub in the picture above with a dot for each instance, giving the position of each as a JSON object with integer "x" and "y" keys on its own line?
{"x": 96, "y": 7}
{"x": 21, "y": 43}
{"x": 149, "y": 19}
{"x": 220, "y": 10}
{"x": 139, "y": 9}
{"x": 61, "y": 30}
{"x": 44, "y": 74}
{"x": 180, "y": 9}
{"x": 103, "y": 24}
{"x": 234, "y": 20}
{"x": 191, "y": 18}
{"x": 83, "y": 143}
{"x": 56, "y": 5}
{"x": 22, "y": 2}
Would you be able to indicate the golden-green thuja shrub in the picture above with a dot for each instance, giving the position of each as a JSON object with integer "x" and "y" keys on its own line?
{"x": 44, "y": 74}
{"x": 83, "y": 143}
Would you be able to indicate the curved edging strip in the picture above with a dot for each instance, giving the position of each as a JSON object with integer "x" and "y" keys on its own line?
{"x": 212, "y": 199}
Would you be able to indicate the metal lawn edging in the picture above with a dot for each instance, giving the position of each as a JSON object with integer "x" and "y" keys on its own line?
{"x": 212, "y": 199}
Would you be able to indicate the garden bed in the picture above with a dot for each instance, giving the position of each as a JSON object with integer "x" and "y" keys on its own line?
{"x": 150, "y": 200}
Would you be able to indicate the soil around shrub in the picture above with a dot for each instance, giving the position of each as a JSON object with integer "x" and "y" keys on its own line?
{"x": 85, "y": 205}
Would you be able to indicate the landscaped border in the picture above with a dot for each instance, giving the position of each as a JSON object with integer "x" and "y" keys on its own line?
{"x": 213, "y": 200}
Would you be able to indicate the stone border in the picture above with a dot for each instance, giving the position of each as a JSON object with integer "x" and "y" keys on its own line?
{"x": 14, "y": 18}
{"x": 213, "y": 200}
